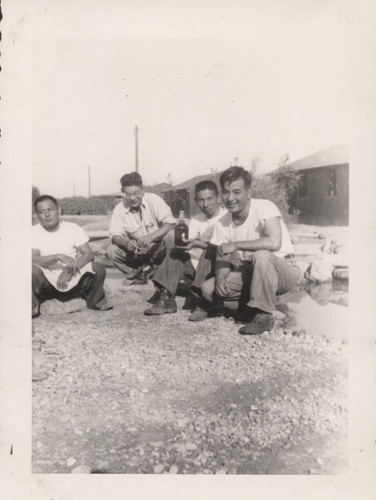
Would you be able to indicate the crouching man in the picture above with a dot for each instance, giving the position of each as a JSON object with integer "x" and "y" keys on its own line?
{"x": 195, "y": 261}
{"x": 138, "y": 230}
{"x": 62, "y": 261}
{"x": 254, "y": 256}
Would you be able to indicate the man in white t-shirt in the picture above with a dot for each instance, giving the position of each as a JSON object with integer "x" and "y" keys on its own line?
{"x": 254, "y": 255}
{"x": 195, "y": 261}
{"x": 138, "y": 230}
{"x": 62, "y": 261}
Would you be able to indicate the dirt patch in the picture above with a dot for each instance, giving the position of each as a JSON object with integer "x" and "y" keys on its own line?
{"x": 126, "y": 393}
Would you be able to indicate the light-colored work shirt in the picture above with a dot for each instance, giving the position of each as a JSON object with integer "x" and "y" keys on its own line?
{"x": 225, "y": 231}
{"x": 153, "y": 212}
{"x": 201, "y": 228}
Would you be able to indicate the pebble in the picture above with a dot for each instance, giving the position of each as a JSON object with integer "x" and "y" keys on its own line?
{"x": 191, "y": 446}
{"x": 71, "y": 461}
{"x": 158, "y": 468}
{"x": 221, "y": 471}
{"x": 81, "y": 469}
{"x": 173, "y": 469}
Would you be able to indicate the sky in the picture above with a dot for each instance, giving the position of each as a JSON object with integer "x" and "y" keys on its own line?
{"x": 281, "y": 86}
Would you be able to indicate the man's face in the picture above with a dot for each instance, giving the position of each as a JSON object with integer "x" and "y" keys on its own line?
{"x": 133, "y": 195}
{"x": 48, "y": 214}
{"x": 236, "y": 196}
{"x": 208, "y": 202}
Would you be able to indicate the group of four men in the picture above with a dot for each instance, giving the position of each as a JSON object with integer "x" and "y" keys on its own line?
{"x": 240, "y": 253}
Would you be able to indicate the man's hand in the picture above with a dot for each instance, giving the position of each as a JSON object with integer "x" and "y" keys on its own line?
{"x": 132, "y": 246}
{"x": 145, "y": 241}
{"x": 64, "y": 279}
{"x": 221, "y": 288}
{"x": 226, "y": 248}
{"x": 70, "y": 263}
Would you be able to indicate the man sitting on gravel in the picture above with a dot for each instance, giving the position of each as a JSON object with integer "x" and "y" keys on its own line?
{"x": 254, "y": 255}
{"x": 138, "y": 230}
{"x": 62, "y": 261}
{"x": 195, "y": 261}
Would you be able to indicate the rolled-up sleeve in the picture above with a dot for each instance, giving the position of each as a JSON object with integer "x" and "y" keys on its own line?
{"x": 162, "y": 211}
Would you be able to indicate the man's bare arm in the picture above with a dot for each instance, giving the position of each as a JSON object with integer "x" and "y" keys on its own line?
{"x": 271, "y": 240}
{"x": 49, "y": 260}
{"x": 85, "y": 255}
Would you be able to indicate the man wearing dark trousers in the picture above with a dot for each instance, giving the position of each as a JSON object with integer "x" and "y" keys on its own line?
{"x": 195, "y": 261}
{"x": 63, "y": 264}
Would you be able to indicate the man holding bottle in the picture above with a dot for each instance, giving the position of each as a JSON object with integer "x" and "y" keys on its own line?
{"x": 195, "y": 260}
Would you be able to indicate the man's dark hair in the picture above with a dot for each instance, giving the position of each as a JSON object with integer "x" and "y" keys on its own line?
{"x": 132, "y": 179}
{"x": 233, "y": 174}
{"x": 44, "y": 197}
{"x": 206, "y": 185}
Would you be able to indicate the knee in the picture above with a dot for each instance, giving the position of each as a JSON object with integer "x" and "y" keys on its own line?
{"x": 261, "y": 257}
{"x": 207, "y": 289}
{"x": 169, "y": 239}
{"x": 113, "y": 251}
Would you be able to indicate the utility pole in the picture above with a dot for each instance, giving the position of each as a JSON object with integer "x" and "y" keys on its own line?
{"x": 89, "y": 180}
{"x": 235, "y": 161}
{"x": 136, "y": 145}
{"x": 74, "y": 187}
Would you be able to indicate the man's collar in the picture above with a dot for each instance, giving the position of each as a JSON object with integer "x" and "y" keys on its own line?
{"x": 132, "y": 210}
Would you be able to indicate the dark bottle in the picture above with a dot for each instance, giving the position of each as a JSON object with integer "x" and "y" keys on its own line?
{"x": 181, "y": 231}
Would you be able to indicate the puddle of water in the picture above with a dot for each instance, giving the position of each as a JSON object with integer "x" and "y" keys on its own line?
{"x": 320, "y": 310}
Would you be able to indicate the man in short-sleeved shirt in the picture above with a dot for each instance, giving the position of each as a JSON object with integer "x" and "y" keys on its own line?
{"x": 138, "y": 230}
{"x": 254, "y": 254}
{"x": 62, "y": 260}
{"x": 195, "y": 261}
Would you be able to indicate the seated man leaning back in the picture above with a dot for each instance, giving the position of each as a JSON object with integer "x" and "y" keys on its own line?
{"x": 138, "y": 229}
{"x": 195, "y": 261}
{"x": 62, "y": 260}
{"x": 254, "y": 254}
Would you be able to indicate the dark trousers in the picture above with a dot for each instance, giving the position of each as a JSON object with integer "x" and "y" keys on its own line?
{"x": 130, "y": 263}
{"x": 178, "y": 264}
{"x": 89, "y": 288}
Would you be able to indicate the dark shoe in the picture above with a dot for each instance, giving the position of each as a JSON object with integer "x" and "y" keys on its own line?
{"x": 155, "y": 297}
{"x": 104, "y": 307}
{"x": 145, "y": 274}
{"x": 198, "y": 314}
{"x": 245, "y": 314}
{"x": 262, "y": 322}
{"x": 163, "y": 306}
{"x": 191, "y": 302}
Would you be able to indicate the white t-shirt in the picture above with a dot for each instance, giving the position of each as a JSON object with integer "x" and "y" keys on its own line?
{"x": 201, "y": 228}
{"x": 65, "y": 240}
{"x": 225, "y": 231}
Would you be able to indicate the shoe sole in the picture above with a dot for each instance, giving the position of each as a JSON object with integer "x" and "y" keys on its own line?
{"x": 159, "y": 313}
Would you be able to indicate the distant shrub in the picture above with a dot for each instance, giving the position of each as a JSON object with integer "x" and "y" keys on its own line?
{"x": 278, "y": 187}
{"x": 95, "y": 205}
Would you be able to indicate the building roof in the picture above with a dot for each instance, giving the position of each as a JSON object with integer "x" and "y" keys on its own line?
{"x": 334, "y": 155}
{"x": 190, "y": 183}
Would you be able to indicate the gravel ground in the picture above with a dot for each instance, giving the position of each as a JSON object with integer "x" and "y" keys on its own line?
{"x": 126, "y": 393}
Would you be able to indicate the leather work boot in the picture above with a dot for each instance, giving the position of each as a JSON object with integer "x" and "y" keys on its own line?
{"x": 155, "y": 297}
{"x": 198, "y": 314}
{"x": 262, "y": 322}
{"x": 165, "y": 305}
